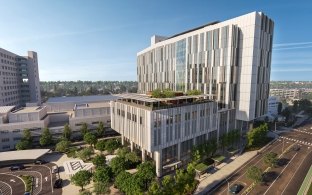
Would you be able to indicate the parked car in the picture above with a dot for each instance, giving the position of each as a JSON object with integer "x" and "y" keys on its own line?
{"x": 39, "y": 162}
{"x": 17, "y": 167}
{"x": 27, "y": 193}
{"x": 236, "y": 188}
{"x": 58, "y": 183}
{"x": 54, "y": 169}
{"x": 296, "y": 148}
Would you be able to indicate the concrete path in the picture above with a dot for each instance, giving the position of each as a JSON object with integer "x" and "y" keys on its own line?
{"x": 226, "y": 170}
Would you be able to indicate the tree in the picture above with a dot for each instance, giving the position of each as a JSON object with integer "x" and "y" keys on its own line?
{"x": 27, "y": 136}
{"x": 196, "y": 154}
{"x": 62, "y": 146}
{"x": 146, "y": 173}
{"x": 90, "y": 139}
{"x": 185, "y": 180}
{"x": 100, "y": 145}
{"x": 101, "y": 188}
{"x": 22, "y": 145}
{"x": 223, "y": 141}
{"x": 168, "y": 184}
{"x": 121, "y": 152}
{"x": 270, "y": 159}
{"x": 103, "y": 174}
{"x": 46, "y": 137}
{"x": 154, "y": 189}
{"x": 100, "y": 130}
{"x": 99, "y": 160}
{"x": 85, "y": 153}
{"x": 132, "y": 157}
{"x": 257, "y": 136}
{"x": 67, "y": 132}
{"x": 128, "y": 183}
{"x": 118, "y": 165}
{"x": 254, "y": 173}
{"x": 296, "y": 105}
{"x": 111, "y": 145}
{"x": 81, "y": 178}
{"x": 84, "y": 129}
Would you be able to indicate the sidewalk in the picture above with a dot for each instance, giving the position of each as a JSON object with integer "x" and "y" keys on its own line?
{"x": 225, "y": 170}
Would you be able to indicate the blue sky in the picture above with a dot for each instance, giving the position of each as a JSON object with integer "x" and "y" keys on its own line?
{"x": 99, "y": 39}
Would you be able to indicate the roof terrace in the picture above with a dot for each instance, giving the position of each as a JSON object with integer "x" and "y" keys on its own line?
{"x": 147, "y": 102}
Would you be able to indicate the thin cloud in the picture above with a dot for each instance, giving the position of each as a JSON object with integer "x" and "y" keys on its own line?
{"x": 289, "y": 48}
{"x": 291, "y": 44}
{"x": 293, "y": 70}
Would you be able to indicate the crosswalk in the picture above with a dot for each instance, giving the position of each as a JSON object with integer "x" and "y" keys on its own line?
{"x": 307, "y": 132}
{"x": 296, "y": 140}
{"x": 5, "y": 188}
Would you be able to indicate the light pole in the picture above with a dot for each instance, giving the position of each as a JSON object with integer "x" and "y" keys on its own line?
{"x": 283, "y": 145}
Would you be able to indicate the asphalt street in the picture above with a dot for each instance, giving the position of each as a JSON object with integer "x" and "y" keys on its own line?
{"x": 11, "y": 183}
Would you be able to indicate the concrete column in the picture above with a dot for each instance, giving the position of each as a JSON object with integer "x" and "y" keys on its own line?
{"x": 179, "y": 151}
{"x": 143, "y": 155}
{"x": 131, "y": 146}
{"x": 158, "y": 162}
{"x": 122, "y": 140}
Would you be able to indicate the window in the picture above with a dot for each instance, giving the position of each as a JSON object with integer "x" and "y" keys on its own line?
{"x": 5, "y": 139}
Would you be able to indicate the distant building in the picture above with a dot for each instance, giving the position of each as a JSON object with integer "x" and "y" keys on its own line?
{"x": 54, "y": 114}
{"x": 19, "y": 79}
{"x": 165, "y": 129}
{"x": 288, "y": 94}
{"x": 273, "y": 105}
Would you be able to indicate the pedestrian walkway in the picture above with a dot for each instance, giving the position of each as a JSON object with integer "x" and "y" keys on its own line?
{"x": 225, "y": 171}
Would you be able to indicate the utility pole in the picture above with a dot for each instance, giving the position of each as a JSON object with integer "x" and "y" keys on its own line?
{"x": 228, "y": 187}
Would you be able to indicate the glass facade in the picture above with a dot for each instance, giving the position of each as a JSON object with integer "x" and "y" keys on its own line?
{"x": 180, "y": 65}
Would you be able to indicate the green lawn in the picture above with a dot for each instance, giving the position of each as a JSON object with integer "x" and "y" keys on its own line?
{"x": 201, "y": 167}
{"x": 218, "y": 158}
{"x": 28, "y": 181}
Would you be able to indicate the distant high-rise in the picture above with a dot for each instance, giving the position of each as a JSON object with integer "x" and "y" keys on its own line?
{"x": 19, "y": 79}
{"x": 230, "y": 61}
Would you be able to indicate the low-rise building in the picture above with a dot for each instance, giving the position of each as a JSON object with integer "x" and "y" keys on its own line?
{"x": 165, "y": 129}
{"x": 53, "y": 114}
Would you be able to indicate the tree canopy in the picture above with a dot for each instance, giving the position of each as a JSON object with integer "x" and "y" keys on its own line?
{"x": 90, "y": 139}
{"x": 270, "y": 159}
{"x": 100, "y": 130}
{"x": 67, "y": 132}
{"x": 81, "y": 178}
{"x": 46, "y": 137}
{"x": 255, "y": 174}
{"x": 99, "y": 160}
{"x": 62, "y": 146}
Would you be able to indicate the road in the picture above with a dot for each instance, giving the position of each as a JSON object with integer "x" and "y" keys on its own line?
{"x": 43, "y": 180}
{"x": 287, "y": 177}
{"x": 240, "y": 175}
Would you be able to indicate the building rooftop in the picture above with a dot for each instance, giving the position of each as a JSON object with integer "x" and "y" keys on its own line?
{"x": 28, "y": 109}
{"x": 6, "y": 109}
{"x": 82, "y": 99}
{"x": 146, "y": 101}
{"x": 23, "y": 154}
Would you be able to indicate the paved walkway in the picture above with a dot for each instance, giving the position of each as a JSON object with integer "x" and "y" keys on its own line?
{"x": 225, "y": 170}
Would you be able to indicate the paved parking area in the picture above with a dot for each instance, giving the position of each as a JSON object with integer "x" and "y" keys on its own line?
{"x": 11, "y": 183}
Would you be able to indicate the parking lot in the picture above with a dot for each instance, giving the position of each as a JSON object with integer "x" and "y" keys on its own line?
{"x": 11, "y": 182}
{"x": 287, "y": 177}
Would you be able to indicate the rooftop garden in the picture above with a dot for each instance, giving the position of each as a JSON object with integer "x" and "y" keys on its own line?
{"x": 168, "y": 93}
